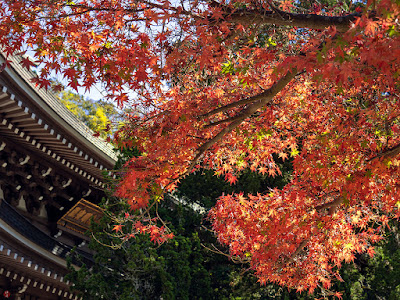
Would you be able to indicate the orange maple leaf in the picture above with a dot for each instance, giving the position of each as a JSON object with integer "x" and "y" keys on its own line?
{"x": 283, "y": 155}
{"x": 117, "y": 228}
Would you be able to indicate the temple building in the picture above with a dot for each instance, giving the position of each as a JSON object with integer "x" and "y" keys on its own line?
{"x": 51, "y": 178}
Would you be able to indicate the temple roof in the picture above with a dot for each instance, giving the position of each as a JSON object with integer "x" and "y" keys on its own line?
{"x": 36, "y": 117}
{"x": 75, "y": 125}
{"x": 49, "y": 161}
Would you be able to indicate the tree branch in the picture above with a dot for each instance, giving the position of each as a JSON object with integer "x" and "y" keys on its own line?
{"x": 390, "y": 153}
{"x": 260, "y": 16}
{"x": 255, "y": 16}
{"x": 333, "y": 206}
{"x": 267, "y": 94}
{"x": 259, "y": 101}
{"x": 235, "y": 104}
{"x": 252, "y": 99}
{"x": 299, "y": 248}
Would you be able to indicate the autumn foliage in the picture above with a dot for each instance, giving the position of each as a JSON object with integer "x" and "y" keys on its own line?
{"x": 232, "y": 85}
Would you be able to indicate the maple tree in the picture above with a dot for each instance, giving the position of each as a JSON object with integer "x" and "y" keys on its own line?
{"x": 231, "y": 85}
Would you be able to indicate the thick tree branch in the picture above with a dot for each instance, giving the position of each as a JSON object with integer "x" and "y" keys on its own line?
{"x": 247, "y": 100}
{"x": 253, "y": 16}
{"x": 332, "y": 206}
{"x": 238, "y": 103}
{"x": 231, "y": 105}
{"x": 261, "y": 100}
{"x": 299, "y": 248}
{"x": 390, "y": 153}
{"x": 261, "y": 16}
{"x": 220, "y": 122}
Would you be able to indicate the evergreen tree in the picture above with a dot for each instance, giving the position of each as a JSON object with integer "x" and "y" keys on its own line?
{"x": 188, "y": 267}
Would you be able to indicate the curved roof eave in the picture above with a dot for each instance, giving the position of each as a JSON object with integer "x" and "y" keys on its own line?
{"x": 60, "y": 114}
